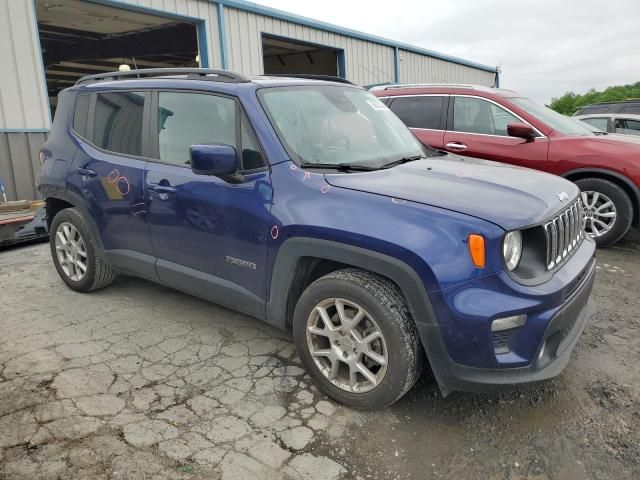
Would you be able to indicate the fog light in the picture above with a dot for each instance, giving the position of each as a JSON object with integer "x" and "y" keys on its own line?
{"x": 507, "y": 323}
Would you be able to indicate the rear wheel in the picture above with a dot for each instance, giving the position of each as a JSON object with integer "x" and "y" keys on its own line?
{"x": 74, "y": 254}
{"x": 355, "y": 336}
{"x": 608, "y": 211}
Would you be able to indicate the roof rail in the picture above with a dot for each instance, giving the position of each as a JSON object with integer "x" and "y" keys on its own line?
{"x": 192, "y": 73}
{"x": 419, "y": 85}
{"x": 311, "y": 76}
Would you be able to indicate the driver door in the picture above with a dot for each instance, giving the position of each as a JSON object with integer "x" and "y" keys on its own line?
{"x": 210, "y": 236}
{"x": 478, "y": 128}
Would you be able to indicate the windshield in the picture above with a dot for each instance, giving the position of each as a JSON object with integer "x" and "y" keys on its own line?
{"x": 336, "y": 125}
{"x": 555, "y": 120}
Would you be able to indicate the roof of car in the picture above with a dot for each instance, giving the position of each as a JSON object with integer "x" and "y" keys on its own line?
{"x": 421, "y": 88}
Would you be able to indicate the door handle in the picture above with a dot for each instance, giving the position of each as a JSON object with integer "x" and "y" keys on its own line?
{"x": 86, "y": 172}
{"x": 456, "y": 146}
{"x": 154, "y": 187}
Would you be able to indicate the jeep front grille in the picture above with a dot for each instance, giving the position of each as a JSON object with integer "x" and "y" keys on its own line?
{"x": 564, "y": 233}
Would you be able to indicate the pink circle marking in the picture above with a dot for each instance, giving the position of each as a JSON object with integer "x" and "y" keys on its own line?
{"x": 113, "y": 176}
{"x": 398, "y": 201}
{"x": 275, "y": 232}
{"x": 293, "y": 167}
{"x": 325, "y": 189}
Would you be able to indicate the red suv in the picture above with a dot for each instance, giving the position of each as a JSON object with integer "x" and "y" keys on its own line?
{"x": 503, "y": 125}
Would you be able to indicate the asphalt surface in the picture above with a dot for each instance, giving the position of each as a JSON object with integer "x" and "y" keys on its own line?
{"x": 139, "y": 381}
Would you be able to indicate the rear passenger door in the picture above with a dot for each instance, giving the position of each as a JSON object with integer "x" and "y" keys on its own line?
{"x": 210, "y": 236}
{"x": 425, "y": 115}
{"x": 109, "y": 169}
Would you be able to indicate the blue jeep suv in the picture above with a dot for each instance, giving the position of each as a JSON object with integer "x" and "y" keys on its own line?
{"x": 306, "y": 203}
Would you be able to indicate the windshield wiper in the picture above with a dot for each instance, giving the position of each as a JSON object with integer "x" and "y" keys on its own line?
{"x": 402, "y": 160}
{"x": 341, "y": 167}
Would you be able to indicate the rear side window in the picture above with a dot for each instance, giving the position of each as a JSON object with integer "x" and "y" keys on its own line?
{"x": 118, "y": 122}
{"x": 81, "y": 114}
{"x": 419, "y": 112}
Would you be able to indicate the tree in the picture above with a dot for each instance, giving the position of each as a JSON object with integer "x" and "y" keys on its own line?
{"x": 568, "y": 103}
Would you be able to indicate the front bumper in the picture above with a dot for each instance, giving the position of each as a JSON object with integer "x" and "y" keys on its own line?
{"x": 551, "y": 357}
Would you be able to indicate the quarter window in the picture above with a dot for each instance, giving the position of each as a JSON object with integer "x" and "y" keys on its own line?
{"x": 80, "y": 114}
{"x": 118, "y": 122}
{"x": 419, "y": 112}
{"x": 474, "y": 115}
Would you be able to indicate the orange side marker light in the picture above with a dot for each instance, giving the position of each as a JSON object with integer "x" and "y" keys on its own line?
{"x": 477, "y": 250}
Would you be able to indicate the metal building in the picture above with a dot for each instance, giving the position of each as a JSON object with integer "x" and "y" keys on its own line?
{"x": 46, "y": 45}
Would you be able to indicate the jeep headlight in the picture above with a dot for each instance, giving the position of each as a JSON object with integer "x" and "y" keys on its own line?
{"x": 512, "y": 249}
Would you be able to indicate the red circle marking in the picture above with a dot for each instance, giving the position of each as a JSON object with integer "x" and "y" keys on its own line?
{"x": 121, "y": 184}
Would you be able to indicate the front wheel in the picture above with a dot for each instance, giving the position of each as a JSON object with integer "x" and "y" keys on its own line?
{"x": 355, "y": 335}
{"x": 608, "y": 211}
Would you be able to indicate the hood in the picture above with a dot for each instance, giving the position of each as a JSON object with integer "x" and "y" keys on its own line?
{"x": 510, "y": 197}
{"x": 616, "y": 138}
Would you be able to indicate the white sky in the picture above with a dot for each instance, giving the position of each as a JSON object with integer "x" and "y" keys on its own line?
{"x": 545, "y": 47}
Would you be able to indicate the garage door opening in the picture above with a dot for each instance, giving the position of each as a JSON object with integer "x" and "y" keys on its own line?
{"x": 286, "y": 56}
{"x": 80, "y": 38}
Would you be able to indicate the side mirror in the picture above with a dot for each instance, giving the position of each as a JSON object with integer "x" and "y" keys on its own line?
{"x": 217, "y": 160}
{"x": 521, "y": 130}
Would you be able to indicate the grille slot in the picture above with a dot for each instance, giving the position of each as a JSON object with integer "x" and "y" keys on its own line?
{"x": 502, "y": 341}
{"x": 564, "y": 233}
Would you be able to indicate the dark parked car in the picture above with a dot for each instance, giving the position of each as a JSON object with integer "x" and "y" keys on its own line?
{"x": 309, "y": 205}
{"x": 503, "y": 125}
{"x": 623, "y": 106}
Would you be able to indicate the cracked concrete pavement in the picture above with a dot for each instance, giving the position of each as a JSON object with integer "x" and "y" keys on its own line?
{"x": 138, "y": 381}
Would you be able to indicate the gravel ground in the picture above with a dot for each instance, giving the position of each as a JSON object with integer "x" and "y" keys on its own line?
{"x": 139, "y": 381}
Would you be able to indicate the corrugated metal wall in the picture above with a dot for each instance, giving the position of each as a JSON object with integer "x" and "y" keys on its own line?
{"x": 366, "y": 63}
{"x": 23, "y": 99}
{"x": 24, "y": 111}
{"x": 19, "y": 163}
{"x": 415, "y": 68}
{"x": 198, "y": 9}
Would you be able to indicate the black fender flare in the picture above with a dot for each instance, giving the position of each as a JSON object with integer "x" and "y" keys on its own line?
{"x": 77, "y": 202}
{"x": 293, "y": 250}
{"x": 600, "y": 172}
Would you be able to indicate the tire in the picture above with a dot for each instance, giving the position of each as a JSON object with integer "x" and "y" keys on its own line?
{"x": 623, "y": 210}
{"x": 97, "y": 274}
{"x": 385, "y": 310}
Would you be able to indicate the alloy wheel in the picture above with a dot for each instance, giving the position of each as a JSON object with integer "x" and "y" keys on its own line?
{"x": 347, "y": 345}
{"x": 71, "y": 251}
{"x": 599, "y": 213}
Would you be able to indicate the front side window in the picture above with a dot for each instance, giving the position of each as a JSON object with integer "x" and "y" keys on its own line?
{"x": 118, "y": 122}
{"x": 325, "y": 124}
{"x": 599, "y": 123}
{"x": 474, "y": 115}
{"x": 627, "y": 126}
{"x": 419, "y": 112}
{"x": 186, "y": 119}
